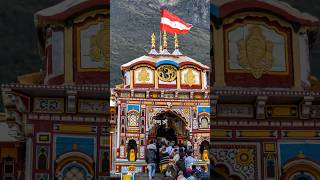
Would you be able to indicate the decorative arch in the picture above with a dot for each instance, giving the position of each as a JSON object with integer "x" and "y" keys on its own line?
{"x": 204, "y": 120}
{"x": 75, "y": 169}
{"x": 281, "y": 10}
{"x": 223, "y": 172}
{"x": 295, "y": 166}
{"x": 74, "y": 157}
{"x": 183, "y": 113}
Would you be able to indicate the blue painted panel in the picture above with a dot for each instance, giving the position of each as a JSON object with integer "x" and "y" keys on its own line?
{"x": 288, "y": 151}
{"x": 167, "y": 61}
{"x": 214, "y": 10}
{"x": 133, "y": 107}
{"x": 64, "y": 144}
{"x": 203, "y": 109}
{"x": 104, "y": 178}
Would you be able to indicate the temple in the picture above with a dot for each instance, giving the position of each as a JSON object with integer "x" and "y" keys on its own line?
{"x": 164, "y": 96}
{"x": 58, "y": 116}
{"x": 265, "y": 103}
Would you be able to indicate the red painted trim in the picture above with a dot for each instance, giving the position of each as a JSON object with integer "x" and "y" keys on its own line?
{"x": 183, "y": 86}
{"x": 91, "y": 77}
{"x": 143, "y": 86}
{"x": 57, "y": 80}
{"x": 49, "y": 58}
{"x": 267, "y": 80}
{"x": 73, "y": 10}
{"x": 245, "y": 5}
{"x": 142, "y": 62}
{"x": 190, "y": 63}
{"x": 167, "y": 85}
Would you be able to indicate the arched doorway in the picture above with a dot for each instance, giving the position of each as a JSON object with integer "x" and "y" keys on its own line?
{"x": 132, "y": 150}
{"x": 204, "y": 149}
{"x": 169, "y": 127}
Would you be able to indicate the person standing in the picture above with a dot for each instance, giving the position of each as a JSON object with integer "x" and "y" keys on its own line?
{"x": 151, "y": 159}
{"x": 189, "y": 160}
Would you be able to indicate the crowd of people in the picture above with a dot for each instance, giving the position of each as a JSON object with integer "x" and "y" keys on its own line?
{"x": 180, "y": 161}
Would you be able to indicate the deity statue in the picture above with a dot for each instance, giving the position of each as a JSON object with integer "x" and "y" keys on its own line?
{"x": 205, "y": 156}
{"x": 132, "y": 155}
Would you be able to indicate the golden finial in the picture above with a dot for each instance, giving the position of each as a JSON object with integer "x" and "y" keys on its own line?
{"x": 176, "y": 42}
{"x": 153, "y": 41}
{"x": 164, "y": 40}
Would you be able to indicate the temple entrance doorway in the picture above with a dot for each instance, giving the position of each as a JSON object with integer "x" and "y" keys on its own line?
{"x": 169, "y": 127}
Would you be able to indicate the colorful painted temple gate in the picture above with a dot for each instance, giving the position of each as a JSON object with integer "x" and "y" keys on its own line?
{"x": 163, "y": 95}
{"x": 264, "y": 102}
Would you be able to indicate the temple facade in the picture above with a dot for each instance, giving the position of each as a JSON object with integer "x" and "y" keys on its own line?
{"x": 265, "y": 105}
{"x": 164, "y": 96}
{"x": 58, "y": 116}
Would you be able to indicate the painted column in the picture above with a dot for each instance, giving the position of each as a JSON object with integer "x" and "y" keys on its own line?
{"x": 68, "y": 54}
{"x": 28, "y": 163}
{"x": 218, "y": 57}
{"x": 296, "y": 62}
{"x": 118, "y": 125}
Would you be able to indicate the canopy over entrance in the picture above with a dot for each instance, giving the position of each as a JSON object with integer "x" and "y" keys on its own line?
{"x": 169, "y": 127}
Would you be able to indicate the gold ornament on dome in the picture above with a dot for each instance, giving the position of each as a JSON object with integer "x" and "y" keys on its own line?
{"x": 143, "y": 75}
{"x": 255, "y": 52}
{"x": 99, "y": 45}
{"x": 167, "y": 73}
{"x": 189, "y": 77}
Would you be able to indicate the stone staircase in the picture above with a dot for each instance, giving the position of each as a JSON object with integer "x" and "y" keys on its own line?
{"x": 144, "y": 176}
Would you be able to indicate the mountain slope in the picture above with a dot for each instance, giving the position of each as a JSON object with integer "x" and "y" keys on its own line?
{"x": 132, "y": 23}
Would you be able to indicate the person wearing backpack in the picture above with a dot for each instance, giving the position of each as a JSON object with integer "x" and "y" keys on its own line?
{"x": 151, "y": 159}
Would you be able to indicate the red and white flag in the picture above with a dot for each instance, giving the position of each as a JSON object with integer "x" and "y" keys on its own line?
{"x": 173, "y": 24}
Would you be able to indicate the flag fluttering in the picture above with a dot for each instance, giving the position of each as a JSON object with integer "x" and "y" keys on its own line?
{"x": 171, "y": 23}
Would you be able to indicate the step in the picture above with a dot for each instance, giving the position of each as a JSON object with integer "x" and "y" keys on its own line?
{"x": 144, "y": 176}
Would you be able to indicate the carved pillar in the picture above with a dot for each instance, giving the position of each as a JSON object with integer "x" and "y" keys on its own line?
{"x": 260, "y": 107}
{"x": 71, "y": 102}
{"x": 28, "y": 162}
{"x": 305, "y": 107}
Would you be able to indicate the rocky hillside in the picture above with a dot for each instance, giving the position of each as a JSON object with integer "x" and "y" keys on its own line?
{"x": 133, "y": 21}
{"x": 18, "y": 39}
